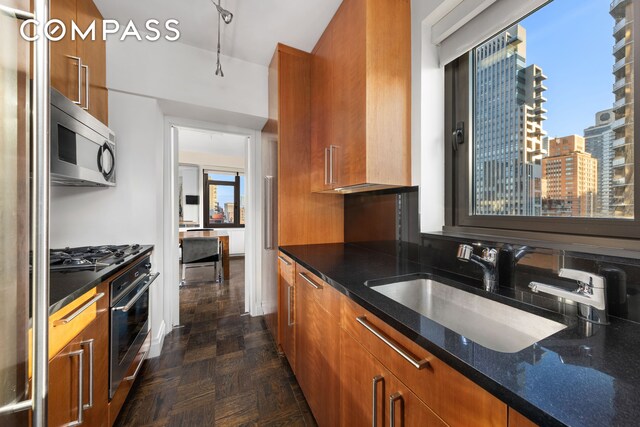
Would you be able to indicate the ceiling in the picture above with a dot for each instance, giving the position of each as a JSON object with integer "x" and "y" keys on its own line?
{"x": 220, "y": 144}
{"x": 257, "y": 26}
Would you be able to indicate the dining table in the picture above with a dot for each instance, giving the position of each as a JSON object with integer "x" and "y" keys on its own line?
{"x": 220, "y": 234}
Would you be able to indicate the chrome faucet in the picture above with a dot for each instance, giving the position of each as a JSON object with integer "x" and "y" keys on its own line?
{"x": 591, "y": 294}
{"x": 488, "y": 261}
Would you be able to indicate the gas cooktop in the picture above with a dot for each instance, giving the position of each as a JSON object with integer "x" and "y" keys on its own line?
{"x": 90, "y": 257}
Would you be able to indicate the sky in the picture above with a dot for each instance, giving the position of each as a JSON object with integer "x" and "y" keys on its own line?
{"x": 572, "y": 40}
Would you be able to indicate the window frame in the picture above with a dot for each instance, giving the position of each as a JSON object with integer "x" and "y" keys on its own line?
{"x": 459, "y": 163}
{"x": 236, "y": 200}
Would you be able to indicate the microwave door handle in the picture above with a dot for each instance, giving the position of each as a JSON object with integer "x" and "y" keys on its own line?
{"x": 135, "y": 299}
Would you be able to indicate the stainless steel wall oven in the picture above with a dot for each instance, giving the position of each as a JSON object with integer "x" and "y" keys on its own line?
{"x": 129, "y": 319}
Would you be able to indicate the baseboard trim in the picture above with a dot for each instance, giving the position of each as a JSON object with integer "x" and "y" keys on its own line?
{"x": 157, "y": 342}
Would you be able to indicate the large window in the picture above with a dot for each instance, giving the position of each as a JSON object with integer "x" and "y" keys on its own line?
{"x": 547, "y": 107}
{"x": 224, "y": 204}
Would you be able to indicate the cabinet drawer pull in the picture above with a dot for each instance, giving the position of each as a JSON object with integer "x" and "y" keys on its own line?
{"x": 418, "y": 364}
{"x": 78, "y": 311}
{"x": 135, "y": 373}
{"x": 392, "y": 409}
{"x": 309, "y": 281}
{"x": 90, "y": 344}
{"x": 284, "y": 260}
{"x": 80, "y": 419}
{"x": 289, "y": 321}
{"x": 377, "y": 379}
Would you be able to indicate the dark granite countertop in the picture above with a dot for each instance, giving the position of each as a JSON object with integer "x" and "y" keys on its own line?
{"x": 571, "y": 378}
{"x": 65, "y": 287}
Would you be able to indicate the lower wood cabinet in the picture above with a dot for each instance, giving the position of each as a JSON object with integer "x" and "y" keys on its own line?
{"x": 286, "y": 302}
{"x": 356, "y": 370}
{"x": 78, "y": 378}
{"x": 371, "y": 391}
{"x": 318, "y": 346}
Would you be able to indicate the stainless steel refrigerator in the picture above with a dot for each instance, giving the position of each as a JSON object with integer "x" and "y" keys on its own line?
{"x": 24, "y": 201}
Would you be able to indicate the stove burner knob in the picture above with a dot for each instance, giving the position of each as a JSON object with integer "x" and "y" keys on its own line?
{"x": 148, "y": 266}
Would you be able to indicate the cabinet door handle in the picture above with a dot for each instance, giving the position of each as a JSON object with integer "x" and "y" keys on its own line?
{"x": 89, "y": 343}
{"x": 309, "y": 281}
{"x": 392, "y": 409}
{"x": 377, "y": 379}
{"x": 331, "y": 177}
{"x": 418, "y": 364}
{"x": 284, "y": 260}
{"x": 289, "y": 321}
{"x": 75, "y": 58}
{"x": 135, "y": 373}
{"x": 327, "y": 153}
{"x": 80, "y": 419}
{"x": 79, "y": 311}
{"x": 87, "y": 94}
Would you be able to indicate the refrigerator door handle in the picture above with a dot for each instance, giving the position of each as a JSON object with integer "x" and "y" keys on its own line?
{"x": 268, "y": 212}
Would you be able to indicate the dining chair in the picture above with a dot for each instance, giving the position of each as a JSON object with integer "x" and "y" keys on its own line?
{"x": 201, "y": 252}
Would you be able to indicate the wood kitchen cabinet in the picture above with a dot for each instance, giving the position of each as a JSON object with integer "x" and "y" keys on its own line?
{"x": 96, "y": 371}
{"x": 286, "y": 304}
{"x": 452, "y": 396}
{"x": 79, "y": 67}
{"x": 516, "y": 419}
{"x": 360, "y": 98}
{"x": 78, "y": 378}
{"x": 370, "y": 388}
{"x": 318, "y": 346}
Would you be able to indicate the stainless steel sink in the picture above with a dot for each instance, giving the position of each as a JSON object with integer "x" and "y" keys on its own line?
{"x": 489, "y": 323}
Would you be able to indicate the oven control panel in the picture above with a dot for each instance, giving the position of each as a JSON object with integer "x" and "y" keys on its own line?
{"x": 120, "y": 285}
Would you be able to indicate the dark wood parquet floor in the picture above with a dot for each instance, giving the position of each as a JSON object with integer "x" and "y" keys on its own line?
{"x": 221, "y": 368}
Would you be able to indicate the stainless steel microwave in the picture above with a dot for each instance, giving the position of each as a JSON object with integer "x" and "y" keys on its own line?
{"x": 83, "y": 149}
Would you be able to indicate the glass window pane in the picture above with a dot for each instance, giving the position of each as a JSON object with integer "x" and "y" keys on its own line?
{"x": 553, "y": 114}
{"x": 222, "y": 176}
{"x": 221, "y": 204}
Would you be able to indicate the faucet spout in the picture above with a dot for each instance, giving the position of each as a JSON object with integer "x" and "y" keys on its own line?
{"x": 594, "y": 300}
{"x": 591, "y": 294}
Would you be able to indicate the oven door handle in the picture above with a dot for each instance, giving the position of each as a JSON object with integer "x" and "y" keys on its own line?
{"x": 141, "y": 292}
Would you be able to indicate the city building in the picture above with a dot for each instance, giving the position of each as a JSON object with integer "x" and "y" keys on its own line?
{"x": 599, "y": 143}
{"x": 570, "y": 179}
{"x": 229, "y": 211}
{"x": 622, "y": 164}
{"x": 509, "y": 111}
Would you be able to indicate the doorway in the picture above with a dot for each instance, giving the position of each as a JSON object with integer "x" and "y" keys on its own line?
{"x": 196, "y": 154}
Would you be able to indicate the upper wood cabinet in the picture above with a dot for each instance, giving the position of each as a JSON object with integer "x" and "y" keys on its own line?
{"x": 361, "y": 98}
{"x": 302, "y": 217}
{"x": 79, "y": 67}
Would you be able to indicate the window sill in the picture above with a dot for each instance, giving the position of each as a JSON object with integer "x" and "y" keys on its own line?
{"x": 601, "y": 246}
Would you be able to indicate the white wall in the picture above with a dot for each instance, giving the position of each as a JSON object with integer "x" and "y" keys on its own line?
{"x": 130, "y": 212}
{"x": 428, "y": 133}
{"x": 182, "y": 77}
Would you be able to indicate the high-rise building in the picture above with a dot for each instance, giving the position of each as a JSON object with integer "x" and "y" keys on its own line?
{"x": 509, "y": 112}
{"x": 213, "y": 200}
{"x": 570, "y": 179}
{"x": 622, "y": 164}
{"x": 599, "y": 143}
{"x": 229, "y": 211}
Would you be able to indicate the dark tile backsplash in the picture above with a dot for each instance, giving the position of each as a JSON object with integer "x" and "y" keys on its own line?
{"x": 387, "y": 221}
